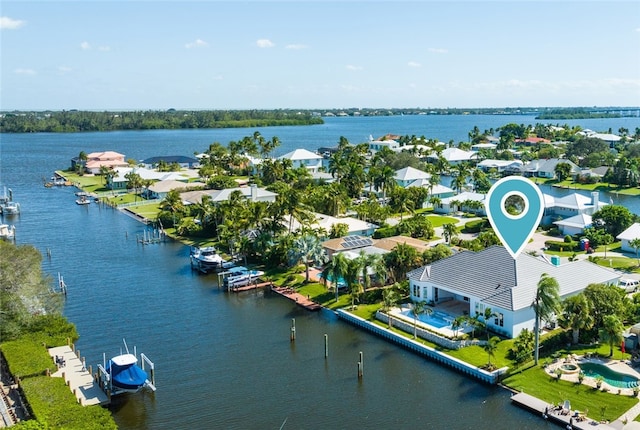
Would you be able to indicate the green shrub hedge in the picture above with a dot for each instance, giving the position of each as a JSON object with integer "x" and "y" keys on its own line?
{"x": 27, "y": 358}
{"x": 54, "y": 405}
{"x": 555, "y": 245}
{"x": 476, "y": 226}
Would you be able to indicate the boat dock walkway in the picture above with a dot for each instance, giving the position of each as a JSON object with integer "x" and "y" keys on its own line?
{"x": 250, "y": 287}
{"x": 76, "y": 376}
{"x": 300, "y": 300}
{"x": 558, "y": 415}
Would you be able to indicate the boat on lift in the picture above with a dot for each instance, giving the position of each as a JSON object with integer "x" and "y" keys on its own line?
{"x": 121, "y": 374}
{"x": 7, "y": 232}
{"x": 206, "y": 259}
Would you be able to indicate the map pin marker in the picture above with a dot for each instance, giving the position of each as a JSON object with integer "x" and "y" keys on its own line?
{"x": 514, "y": 231}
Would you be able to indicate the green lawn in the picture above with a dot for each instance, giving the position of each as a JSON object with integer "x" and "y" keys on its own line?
{"x": 439, "y": 221}
{"x": 600, "y": 186}
{"x": 149, "y": 211}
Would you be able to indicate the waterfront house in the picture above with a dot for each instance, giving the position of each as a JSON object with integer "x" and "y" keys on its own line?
{"x": 252, "y": 193}
{"x": 633, "y": 232}
{"x": 382, "y": 246}
{"x": 486, "y": 146}
{"x": 304, "y": 158}
{"x": 183, "y": 161}
{"x": 377, "y": 145}
{"x": 96, "y": 160}
{"x": 406, "y": 176}
{"x": 491, "y": 278}
{"x": 557, "y": 208}
{"x": 500, "y": 166}
{"x": 611, "y": 139}
{"x": 160, "y": 189}
{"x": 119, "y": 181}
{"x": 574, "y": 225}
{"x": 546, "y": 168}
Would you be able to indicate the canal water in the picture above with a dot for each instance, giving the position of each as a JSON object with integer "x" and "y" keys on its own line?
{"x": 223, "y": 360}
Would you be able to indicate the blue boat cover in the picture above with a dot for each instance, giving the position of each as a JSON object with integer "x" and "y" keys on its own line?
{"x": 128, "y": 377}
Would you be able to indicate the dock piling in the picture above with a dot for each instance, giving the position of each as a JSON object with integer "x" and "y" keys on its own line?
{"x": 326, "y": 345}
{"x": 360, "y": 366}
{"x": 293, "y": 329}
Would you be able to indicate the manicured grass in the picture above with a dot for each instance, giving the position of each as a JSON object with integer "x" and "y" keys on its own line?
{"x": 439, "y": 221}
{"x": 89, "y": 183}
{"x": 600, "y": 405}
{"x": 124, "y": 198}
{"x": 623, "y": 264}
{"x": 148, "y": 211}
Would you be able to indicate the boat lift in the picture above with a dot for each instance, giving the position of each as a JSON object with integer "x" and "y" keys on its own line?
{"x": 105, "y": 380}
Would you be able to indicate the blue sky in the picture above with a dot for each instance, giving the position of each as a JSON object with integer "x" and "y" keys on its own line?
{"x": 313, "y": 55}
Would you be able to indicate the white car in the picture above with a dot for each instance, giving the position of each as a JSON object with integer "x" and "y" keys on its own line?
{"x": 629, "y": 285}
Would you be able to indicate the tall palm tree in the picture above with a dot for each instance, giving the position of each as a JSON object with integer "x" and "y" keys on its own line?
{"x": 545, "y": 303}
{"x": 375, "y": 262}
{"x": 577, "y": 314}
{"x": 611, "y": 331}
{"x": 352, "y": 279}
{"x": 419, "y": 308}
{"x": 335, "y": 270}
{"x": 308, "y": 250}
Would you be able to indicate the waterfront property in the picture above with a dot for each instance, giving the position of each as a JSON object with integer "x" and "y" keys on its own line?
{"x": 491, "y": 278}
{"x": 96, "y": 160}
{"x": 633, "y": 232}
{"x": 303, "y": 158}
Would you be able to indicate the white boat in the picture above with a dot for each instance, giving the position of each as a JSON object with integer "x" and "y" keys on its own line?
{"x": 7, "y": 232}
{"x": 83, "y": 200}
{"x": 11, "y": 208}
{"x": 206, "y": 259}
{"x": 240, "y": 276}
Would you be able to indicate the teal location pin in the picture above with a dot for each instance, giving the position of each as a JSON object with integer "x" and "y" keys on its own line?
{"x": 514, "y": 230}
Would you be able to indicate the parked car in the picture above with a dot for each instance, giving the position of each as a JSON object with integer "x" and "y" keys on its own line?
{"x": 629, "y": 285}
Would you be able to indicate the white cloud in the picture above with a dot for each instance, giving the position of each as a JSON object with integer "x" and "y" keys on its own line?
{"x": 28, "y": 72}
{"x": 85, "y": 46}
{"x": 353, "y": 68}
{"x": 414, "y": 64}
{"x": 296, "y": 46}
{"x": 198, "y": 43}
{"x": 7, "y": 23}
{"x": 638, "y": 30}
{"x": 437, "y": 50}
{"x": 265, "y": 43}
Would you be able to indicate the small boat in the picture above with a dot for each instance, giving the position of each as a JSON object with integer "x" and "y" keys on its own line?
{"x": 7, "y": 232}
{"x": 11, "y": 208}
{"x": 123, "y": 375}
{"x": 83, "y": 200}
{"x": 206, "y": 259}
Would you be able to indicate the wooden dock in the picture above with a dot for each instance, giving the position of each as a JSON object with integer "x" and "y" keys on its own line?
{"x": 250, "y": 287}
{"x": 555, "y": 414}
{"x": 76, "y": 376}
{"x": 300, "y": 300}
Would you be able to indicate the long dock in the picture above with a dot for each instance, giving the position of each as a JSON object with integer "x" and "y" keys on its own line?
{"x": 300, "y": 300}
{"x": 250, "y": 287}
{"x": 76, "y": 376}
{"x": 565, "y": 418}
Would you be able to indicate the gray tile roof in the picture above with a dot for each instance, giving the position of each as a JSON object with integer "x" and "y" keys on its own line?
{"x": 493, "y": 277}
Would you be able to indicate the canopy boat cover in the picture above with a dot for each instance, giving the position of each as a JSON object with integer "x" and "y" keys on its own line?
{"x": 125, "y": 373}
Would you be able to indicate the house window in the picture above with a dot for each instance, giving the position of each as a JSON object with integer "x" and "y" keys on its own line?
{"x": 499, "y": 321}
{"x": 466, "y": 299}
{"x": 416, "y": 290}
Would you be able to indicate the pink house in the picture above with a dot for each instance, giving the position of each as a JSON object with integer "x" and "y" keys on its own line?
{"x": 112, "y": 159}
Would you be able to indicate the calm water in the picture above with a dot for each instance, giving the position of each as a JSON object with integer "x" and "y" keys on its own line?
{"x": 225, "y": 360}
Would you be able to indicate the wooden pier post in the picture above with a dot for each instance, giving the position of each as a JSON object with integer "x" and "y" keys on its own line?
{"x": 326, "y": 345}
{"x": 360, "y": 366}
{"x": 293, "y": 329}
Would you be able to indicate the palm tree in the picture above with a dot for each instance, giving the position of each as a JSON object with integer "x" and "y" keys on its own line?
{"x": 335, "y": 270}
{"x": 419, "y": 308}
{"x": 545, "y": 303}
{"x": 491, "y": 347}
{"x": 375, "y": 262}
{"x": 611, "y": 331}
{"x": 457, "y": 323}
{"x": 635, "y": 244}
{"x": 352, "y": 279}
{"x": 577, "y": 314}
{"x": 449, "y": 231}
{"x": 308, "y": 250}
{"x": 390, "y": 298}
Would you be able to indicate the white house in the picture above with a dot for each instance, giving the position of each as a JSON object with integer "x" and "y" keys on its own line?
{"x": 546, "y": 168}
{"x": 252, "y": 193}
{"x": 304, "y": 158}
{"x": 570, "y": 205}
{"x": 499, "y": 165}
{"x": 574, "y": 225}
{"x": 325, "y": 222}
{"x": 611, "y": 139}
{"x": 478, "y": 146}
{"x": 377, "y": 145}
{"x": 454, "y": 155}
{"x": 119, "y": 181}
{"x": 457, "y": 202}
{"x": 160, "y": 189}
{"x": 408, "y": 175}
{"x": 627, "y": 236}
{"x": 491, "y": 278}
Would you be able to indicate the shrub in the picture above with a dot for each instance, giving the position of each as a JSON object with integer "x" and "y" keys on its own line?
{"x": 26, "y": 357}
{"x": 476, "y": 226}
{"x": 554, "y": 245}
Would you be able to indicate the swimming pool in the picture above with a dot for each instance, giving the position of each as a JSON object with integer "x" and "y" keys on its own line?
{"x": 436, "y": 319}
{"x": 611, "y": 377}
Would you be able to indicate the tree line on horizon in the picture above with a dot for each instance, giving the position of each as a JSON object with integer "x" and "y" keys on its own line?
{"x": 85, "y": 121}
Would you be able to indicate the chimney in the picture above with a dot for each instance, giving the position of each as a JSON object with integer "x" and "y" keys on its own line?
{"x": 254, "y": 192}
{"x": 595, "y": 199}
